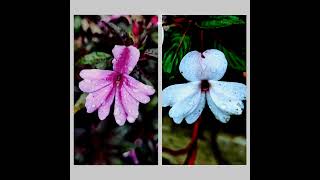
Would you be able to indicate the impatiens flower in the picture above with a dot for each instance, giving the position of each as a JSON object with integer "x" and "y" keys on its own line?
{"x": 204, "y": 70}
{"x": 104, "y": 85}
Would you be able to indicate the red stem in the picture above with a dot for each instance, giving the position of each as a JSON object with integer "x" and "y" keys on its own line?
{"x": 191, "y": 148}
{"x": 201, "y": 40}
{"x": 191, "y": 156}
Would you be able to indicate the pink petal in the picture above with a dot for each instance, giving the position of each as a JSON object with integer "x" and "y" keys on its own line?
{"x": 88, "y": 85}
{"x": 138, "y": 86}
{"x": 104, "y": 110}
{"x": 119, "y": 112}
{"x": 138, "y": 95}
{"x": 95, "y": 99}
{"x": 125, "y": 58}
{"x": 130, "y": 105}
{"x": 95, "y": 74}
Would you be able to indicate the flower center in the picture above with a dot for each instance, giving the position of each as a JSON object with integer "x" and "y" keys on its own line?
{"x": 205, "y": 85}
{"x": 202, "y": 55}
{"x": 118, "y": 79}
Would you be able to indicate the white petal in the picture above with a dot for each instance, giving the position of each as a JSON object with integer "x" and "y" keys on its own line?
{"x": 218, "y": 113}
{"x": 225, "y": 103}
{"x": 185, "y": 106}
{"x": 232, "y": 90}
{"x": 194, "y": 115}
{"x": 212, "y": 66}
{"x": 178, "y": 120}
{"x": 175, "y": 93}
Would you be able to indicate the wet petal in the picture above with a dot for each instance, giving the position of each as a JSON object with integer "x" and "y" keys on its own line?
{"x": 119, "y": 112}
{"x": 138, "y": 86}
{"x": 174, "y": 93}
{"x": 125, "y": 58}
{"x": 225, "y": 103}
{"x": 130, "y": 105}
{"x": 104, "y": 109}
{"x": 185, "y": 106}
{"x": 178, "y": 119}
{"x": 95, "y": 74}
{"x": 194, "y": 115}
{"x": 88, "y": 85}
{"x": 232, "y": 90}
{"x": 95, "y": 99}
{"x": 212, "y": 66}
{"x": 138, "y": 95}
{"x": 220, "y": 115}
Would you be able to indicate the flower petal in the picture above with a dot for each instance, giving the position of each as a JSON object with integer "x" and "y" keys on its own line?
{"x": 119, "y": 112}
{"x": 212, "y": 66}
{"x": 125, "y": 58}
{"x": 88, "y": 85}
{"x": 95, "y": 99}
{"x": 220, "y": 115}
{"x": 130, "y": 105}
{"x": 138, "y": 86}
{"x": 174, "y": 93}
{"x": 95, "y": 74}
{"x": 225, "y": 103}
{"x": 139, "y": 96}
{"x": 104, "y": 109}
{"x": 178, "y": 119}
{"x": 185, "y": 106}
{"x": 194, "y": 115}
{"x": 232, "y": 90}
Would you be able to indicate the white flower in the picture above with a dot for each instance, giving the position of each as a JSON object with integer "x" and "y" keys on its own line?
{"x": 204, "y": 70}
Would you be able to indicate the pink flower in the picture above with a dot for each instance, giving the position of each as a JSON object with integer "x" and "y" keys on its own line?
{"x": 154, "y": 20}
{"x": 105, "y": 85}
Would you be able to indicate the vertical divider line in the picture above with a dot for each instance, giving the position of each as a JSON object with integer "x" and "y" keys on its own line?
{"x": 71, "y": 60}
{"x": 160, "y": 39}
{"x": 248, "y": 77}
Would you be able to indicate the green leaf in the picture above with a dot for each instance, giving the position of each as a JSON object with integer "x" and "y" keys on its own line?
{"x": 126, "y": 146}
{"x": 118, "y": 30}
{"x": 80, "y": 102}
{"x": 154, "y": 37}
{"x": 220, "y": 21}
{"x": 77, "y": 23}
{"x": 180, "y": 45}
{"x": 99, "y": 60}
{"x": 234, "y": 61}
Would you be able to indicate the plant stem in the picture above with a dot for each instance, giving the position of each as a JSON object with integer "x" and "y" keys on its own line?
{"x": 201, "y": 40}
{"x": 191, "y": 148}
{"x": 192, "y": 153}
